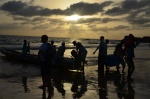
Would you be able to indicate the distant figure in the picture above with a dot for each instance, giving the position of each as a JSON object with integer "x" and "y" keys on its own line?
{"x": 102, "y": 53}
{"x": 120, "y": 53}
{"x": 106, "y": 41}
{"x": 44, "y": 53}
{"x": 54, "y": 49}
{"x": 28, "y": 47}
{"x": 130, "y": 55}
{"x": 60, "y": 54}
{"x": 81, "y": 50}
{"x": 25, "y": 51}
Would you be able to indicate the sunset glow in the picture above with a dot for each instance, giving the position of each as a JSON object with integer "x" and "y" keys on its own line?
{"x": 73, "y": 17}
{"x": 113, "y": 19}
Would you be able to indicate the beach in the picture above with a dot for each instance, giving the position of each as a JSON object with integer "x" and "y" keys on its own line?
{"x": 12, "y": 87}
{"x": 78, "y": 85}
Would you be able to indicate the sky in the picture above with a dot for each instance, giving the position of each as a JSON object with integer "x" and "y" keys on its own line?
{"x": 112, "y": 19}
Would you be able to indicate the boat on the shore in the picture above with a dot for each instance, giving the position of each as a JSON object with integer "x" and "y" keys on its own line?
{"x": 14, "y": 55}
{"x": 17, "y": 56}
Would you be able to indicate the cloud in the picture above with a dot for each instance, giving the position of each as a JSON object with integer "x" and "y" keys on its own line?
{"x": 127, "y": 7}
{"x": 120, "y": 27}
{"x": 31, "y": 1}
{"x": 107, "y": 29}
{"x": 89, "y": 20}
{"x": 135, "y": 12}
{"x": 10, "y": 26}
{"x": 139, "y": 21}
{"x": 24, "y": 9}
{"x": 106, "y": 20}
{"x": 83, "y": 8}
{"x": 28, "y": 10}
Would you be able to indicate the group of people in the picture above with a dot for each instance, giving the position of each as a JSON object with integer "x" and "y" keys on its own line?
{"x": 49, "y": 56}
{"x": 124, "y": 52}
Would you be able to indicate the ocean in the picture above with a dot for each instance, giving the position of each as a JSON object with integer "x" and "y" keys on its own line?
{"x": 16, "y": 43}
{"x": 9, "y": 69}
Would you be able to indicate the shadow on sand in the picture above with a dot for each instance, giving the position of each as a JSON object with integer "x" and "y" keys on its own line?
{"x": 119, "y": 82}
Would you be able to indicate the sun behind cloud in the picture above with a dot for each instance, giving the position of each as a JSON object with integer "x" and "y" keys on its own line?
{"x": 74, "y": 17}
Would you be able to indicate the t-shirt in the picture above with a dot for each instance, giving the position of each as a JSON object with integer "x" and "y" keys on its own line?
{"x": 60, "y": 52}
{"x": 46, "y": 50}
{"x": 102, "y": 48}
{"x": 81, "y": 48}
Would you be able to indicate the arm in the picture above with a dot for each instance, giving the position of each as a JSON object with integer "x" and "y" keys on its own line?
{"x": 96, "y": 50}
{"x": 136, "y": 44}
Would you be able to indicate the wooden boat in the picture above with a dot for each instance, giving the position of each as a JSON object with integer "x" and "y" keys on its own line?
{"x": 17, "y": 56}
{"x": 33, "y": 59}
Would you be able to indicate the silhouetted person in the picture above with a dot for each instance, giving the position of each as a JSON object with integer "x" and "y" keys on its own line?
{"x": 25, "y": 51}
{"x": 54, "y": 49}
{"x": 106, "y": 41}
{"x": 120, "y": 53}
{"x": 102, "y": 53}
{"x": 44, "y": 53}
{"x": 131, "y": 44}
{"x": 81, "y": 50}
{"x": 28, "y": 45}
{"x": 77, "y": 58}
{"x": 60, "y": 54}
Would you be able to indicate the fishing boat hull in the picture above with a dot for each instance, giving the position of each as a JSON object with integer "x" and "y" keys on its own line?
{"x": 67, "y": 62}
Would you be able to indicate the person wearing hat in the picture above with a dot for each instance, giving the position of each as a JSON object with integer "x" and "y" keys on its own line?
{"x": 102, "y": 53}
{"x": 81, "y": 50}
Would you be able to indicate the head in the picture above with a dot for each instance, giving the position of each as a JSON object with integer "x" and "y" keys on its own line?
{"x": 74, "y": 53}
{"x": 44, "y": 38}
{"x": 125, "y": 37}
{"x": 122, "y": 41}
{"x": 107, "y": 41}
{"x": 25, "y": 41}
{"x": 74, "y": 43}
{"x": 131, "y": 36}
{"x": 102, "y": 38}
{"x": 52, "y": 42}
{"x": 63, "y": 44}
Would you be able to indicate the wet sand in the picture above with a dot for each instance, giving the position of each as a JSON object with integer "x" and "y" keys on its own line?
{"x": 111, "y": 86}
